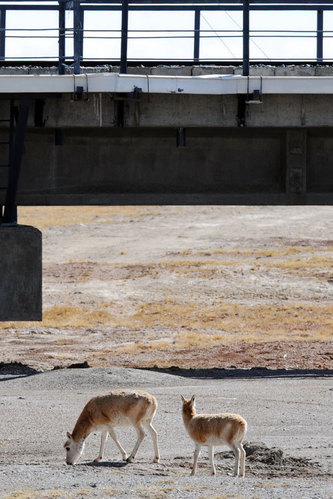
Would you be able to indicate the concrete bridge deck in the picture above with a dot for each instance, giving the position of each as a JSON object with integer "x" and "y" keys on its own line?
{"x": 209, "y": 84}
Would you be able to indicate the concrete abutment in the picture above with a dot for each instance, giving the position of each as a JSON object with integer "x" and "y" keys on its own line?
{"x": 21, "y": 273}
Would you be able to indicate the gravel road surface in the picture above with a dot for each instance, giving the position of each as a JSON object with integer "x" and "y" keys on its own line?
{"x": 291, "y": 414}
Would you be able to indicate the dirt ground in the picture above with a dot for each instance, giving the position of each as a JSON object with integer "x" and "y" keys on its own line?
{"x": 231, "y": 303}
{"x": 287, "y": 457}
{"x": 231, "y": 287}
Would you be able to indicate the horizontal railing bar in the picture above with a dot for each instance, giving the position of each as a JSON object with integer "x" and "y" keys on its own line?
{"x": 83, "y": 30}
{"x": 36, "y": 58}
{"x": 162, "y": 37}
{"x": 163, "y": 2}
{"x": 37, "y": 29}
{"x": 135, "y": 59}
{"x": 87, "y": 61}
{"x": 217, "y": 7}
{"x": 198, "y": 2}
{"x": 253, "y": 61}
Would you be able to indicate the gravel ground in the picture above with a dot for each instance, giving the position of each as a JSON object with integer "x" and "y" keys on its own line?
{"x": 292, "y": 415}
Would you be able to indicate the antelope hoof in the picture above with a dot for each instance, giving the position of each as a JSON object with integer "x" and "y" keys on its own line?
{"x": 98, "y": 459}
{"x": 156, "y": 460}
{"x": 129, "y": 459}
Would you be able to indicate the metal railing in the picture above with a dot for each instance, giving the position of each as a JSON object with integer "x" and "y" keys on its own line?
{"x": 77, "y": 33}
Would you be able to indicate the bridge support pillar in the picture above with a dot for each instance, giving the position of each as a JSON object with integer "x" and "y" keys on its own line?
{"x": 21, "y": 273}
{"x": 296, "y": 161}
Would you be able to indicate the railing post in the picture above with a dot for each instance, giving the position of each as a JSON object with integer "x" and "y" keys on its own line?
{"x": 81, "y": 31}
{"x": 320, "y": 28}
{"x": 124, "y": 37}
{"x": 78, "y": 27}
{"x": 2, "y": 34}
{"x": 61, "y": 40}
{"x": 246, "y": 37}
{"x": 197, "y": 13}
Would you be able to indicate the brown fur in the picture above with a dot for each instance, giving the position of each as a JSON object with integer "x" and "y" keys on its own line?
{"x": 215, "y": 429}
{"x": 202, "y": 426}
{"x": 104, "y": 409}
{"x": 118, "y": 408}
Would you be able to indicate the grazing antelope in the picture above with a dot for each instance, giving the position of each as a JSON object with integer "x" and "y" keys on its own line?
{"x": 215, "y": 429}
{"x": 105, "y": 412}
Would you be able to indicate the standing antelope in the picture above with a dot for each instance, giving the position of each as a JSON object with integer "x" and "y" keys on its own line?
{"x": 215, "y": 429}
{"x": 105, "y": 412}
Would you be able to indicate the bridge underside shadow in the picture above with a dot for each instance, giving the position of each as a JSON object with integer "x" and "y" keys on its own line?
{"x": 115, "y": 166}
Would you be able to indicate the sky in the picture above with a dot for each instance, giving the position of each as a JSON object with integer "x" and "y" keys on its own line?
{"x": 213, "y": 44}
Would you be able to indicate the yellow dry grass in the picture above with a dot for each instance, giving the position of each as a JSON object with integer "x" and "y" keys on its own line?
{"x": 43, "y": 217}
{"x": 196, "y": 324}
{"x": 277, "y": 252}
{"x": 111, "y": 492}
{"x": 65, "y": 316}
{"x": 265, "y": 322}
{"x": 315, "y": 262}
{"x": 48, "y": 494}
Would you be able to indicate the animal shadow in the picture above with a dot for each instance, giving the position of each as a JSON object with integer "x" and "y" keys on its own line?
{"x": 107, "y": 464}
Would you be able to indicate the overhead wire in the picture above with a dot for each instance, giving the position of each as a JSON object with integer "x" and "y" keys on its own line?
{"x": 218, "y": 36}
{"x": 251, "y": 40}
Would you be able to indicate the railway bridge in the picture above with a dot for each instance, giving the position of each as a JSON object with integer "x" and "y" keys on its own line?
{"x": 75, "y": 131}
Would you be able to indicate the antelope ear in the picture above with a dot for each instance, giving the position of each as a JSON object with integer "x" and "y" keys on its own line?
{"x": 193, "y": 399}
{"x": 69, "y": 435}
{"x": 183, "y": 398}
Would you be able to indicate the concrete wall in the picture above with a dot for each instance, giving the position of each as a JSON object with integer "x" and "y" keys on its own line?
{"x": 21, "y": 273}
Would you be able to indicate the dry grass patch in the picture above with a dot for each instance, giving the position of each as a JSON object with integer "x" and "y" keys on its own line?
{"x": 48, "y": 494}
{"x": 65, "y": 342}
{"x": 319, "y": 262}
{"x": 66, "y": 316}
{"x": 258, "y": 252}
{"x": 111, "y": 492}
{"x": 151, "y": 494}
{"x": 51, "y": 216}
{"x": 220, "y": 322}
{"x": 75, "y": 316}
{"x": 243, "y": 322}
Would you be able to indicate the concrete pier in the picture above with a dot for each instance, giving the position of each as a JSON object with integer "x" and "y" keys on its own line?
{"x": 21, "y": 273}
